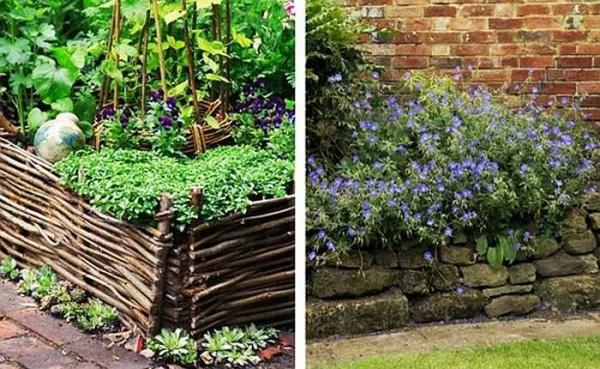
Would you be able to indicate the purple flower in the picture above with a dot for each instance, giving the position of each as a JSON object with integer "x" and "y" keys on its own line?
{"x": 460, "y": 290}
{"x": 330, "y": 245}
{"x": 124, "y": 120}
{"x": 290, "y": 8}
{"x": 312, "y": 255}
{"x": 166, "y": 121}
{"x": 157, "y": 95}
{"x": 375, "y": 75}
{"x": 448, "y": 232}
{"x": 321, "y": 235}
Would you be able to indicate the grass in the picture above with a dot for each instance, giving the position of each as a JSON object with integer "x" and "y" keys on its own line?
{"x": 576, "y": 353}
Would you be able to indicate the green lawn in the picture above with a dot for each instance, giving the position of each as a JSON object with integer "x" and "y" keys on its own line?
{"x": 579, "y": 353}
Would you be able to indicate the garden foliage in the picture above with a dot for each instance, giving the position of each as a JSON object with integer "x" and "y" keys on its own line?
{"x": 128, "y": 183}
{"x": 61, "y": 298}
{"x": 447, "y": 160}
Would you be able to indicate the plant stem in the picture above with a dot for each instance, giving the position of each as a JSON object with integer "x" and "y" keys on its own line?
{"x": 161, "y": 58}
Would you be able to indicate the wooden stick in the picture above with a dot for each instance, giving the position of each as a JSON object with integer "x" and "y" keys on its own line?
{"x": 161, "y": 57}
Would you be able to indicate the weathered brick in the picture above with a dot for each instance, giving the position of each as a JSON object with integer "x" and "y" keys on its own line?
{"x": 588, "y": 88}
{"x": 543, "y": 23}
{"x": 566, "y": 9}
{"x": 50, "y": 328}
{"x": 582, "y": 75}
{"x": 115, "y": 358}
{"x": 568, "y": 36}
{"x": 440, "y": 11}
{"x": 536, "y": 61}
{"x": 502, "y": 23}
{"x": 441, "y": 38}
{"x": 588, "y": 49}
{"x": 32, "y": 353}
{"x": 479, "y": 37}
{"x": 470, "y": 49}
{"x": 410, "y": 62}
{"x": 477, "y": 11}
{"x": 559, "y": 88}
{"x": 575, "y": 62}
{"x": 9, "y": 330}
{"x": 532, "y": 9}
{"x": 413, "y": 49}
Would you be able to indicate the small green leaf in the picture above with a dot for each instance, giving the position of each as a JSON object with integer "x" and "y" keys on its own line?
{"x": 87, "y": 128}
{"x": 173, "y": 16}
{"x": 211, "y": 47}
{"x": 216, "y": 77}
{"x": 481, "y": 245}
{"x": 212, "y": 122}
{"x": 35, "y": 119}
{"x": 179, "y": 89}
{"x": 495, "y": 257}
{"x": 242, "y": 40}
{"x": 63, "y": 105}
{"x": 508, "y": 246}
{"x": 206, "y": 3}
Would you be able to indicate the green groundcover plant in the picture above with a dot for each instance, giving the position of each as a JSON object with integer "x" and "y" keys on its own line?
{"x": 61, "y": 298}
{"x": 129, "y": 183}
{"x": 448, "y": 160}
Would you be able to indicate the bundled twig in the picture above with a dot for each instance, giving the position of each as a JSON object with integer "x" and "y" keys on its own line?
{"x": 233, "y": 271}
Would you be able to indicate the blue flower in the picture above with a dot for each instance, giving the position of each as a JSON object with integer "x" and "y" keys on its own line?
{"x": 428, "y": 256}
{"x": 335, "y": 78}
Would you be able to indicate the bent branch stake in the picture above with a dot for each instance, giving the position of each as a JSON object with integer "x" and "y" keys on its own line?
{"x": 237, "y": 270}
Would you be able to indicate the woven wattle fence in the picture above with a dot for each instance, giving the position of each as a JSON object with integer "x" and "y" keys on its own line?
{"x": 233, "y": 271}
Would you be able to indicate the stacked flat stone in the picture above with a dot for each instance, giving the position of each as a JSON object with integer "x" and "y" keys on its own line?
{"x": 389, "y": 289}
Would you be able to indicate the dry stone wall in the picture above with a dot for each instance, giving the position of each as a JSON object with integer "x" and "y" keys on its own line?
{"x": 370, "y": 291}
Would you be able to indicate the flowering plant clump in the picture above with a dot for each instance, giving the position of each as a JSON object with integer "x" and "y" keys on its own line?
{"x": 161, "y": 128}
{"x": 447, "y": 161}
{"x": 265, "y": 120}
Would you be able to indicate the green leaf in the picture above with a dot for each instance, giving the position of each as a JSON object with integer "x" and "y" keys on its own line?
{"x": 212, "y": 122}
{"x": 173, "y": 16}
{"x": 46, "y": 35}
{"x": 109, "y": 67}
{"x": 87, "y": 128}
{"x": 63, "y": 105}
{"x": 215, "y": 77}
{"x": 70, "y": 58}
{"x": 35, "y": 119}
{"x": 175, "y": 44}
{"x": 242, "y": 40}
{"x": 481, "y": 245}
{"x": 16, "y": 52}
{"x": 85, "y": 107}
{"x": 495, "y": 257}
{"x": 179, "y": 89}
{"x": 510, "y": 251}
{"x": 126, "y": 51}
{"x": 53, "y": 83}
{"x": 135, "y": 10}
{"x": 211, "y": 47}
{"x": 206, "y": 3}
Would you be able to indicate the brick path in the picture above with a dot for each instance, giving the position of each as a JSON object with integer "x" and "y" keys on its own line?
{"x": 32, "y": 339}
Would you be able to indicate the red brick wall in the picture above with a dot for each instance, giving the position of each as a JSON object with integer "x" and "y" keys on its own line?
{"x": 555, "y": 42}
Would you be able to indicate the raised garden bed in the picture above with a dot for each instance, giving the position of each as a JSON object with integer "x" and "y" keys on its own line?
{"x": 232, "y": 271}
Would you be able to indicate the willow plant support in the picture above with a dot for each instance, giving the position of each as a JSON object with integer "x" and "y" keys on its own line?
{"x": 232, "y": 271}
{"x": 200, "y": 136}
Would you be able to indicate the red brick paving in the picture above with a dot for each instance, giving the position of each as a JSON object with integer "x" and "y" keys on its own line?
{"x": 31, "y": 339}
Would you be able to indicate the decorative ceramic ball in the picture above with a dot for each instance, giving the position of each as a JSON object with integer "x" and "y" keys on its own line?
{"x": 56, "y": 138}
